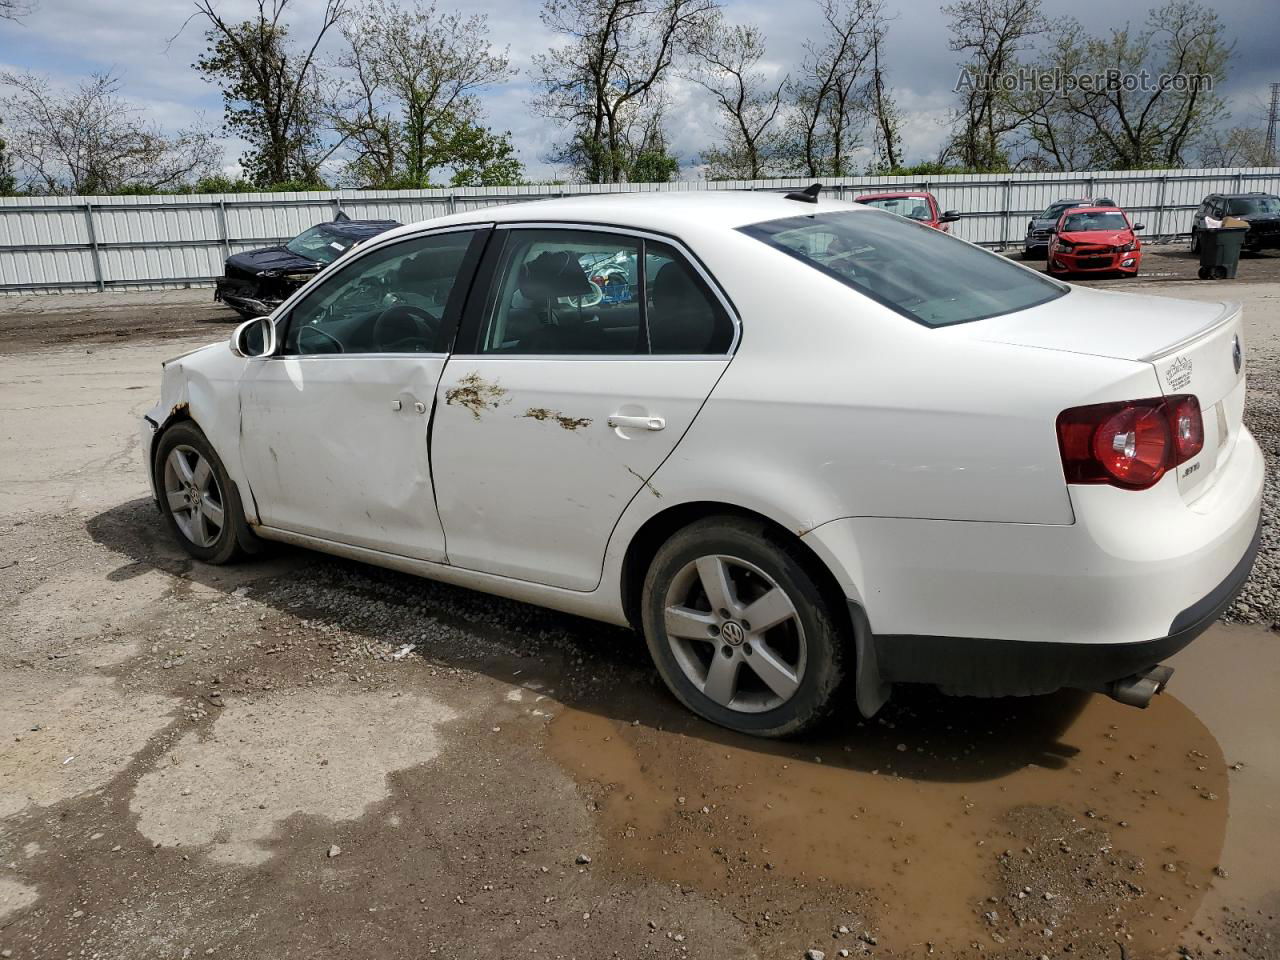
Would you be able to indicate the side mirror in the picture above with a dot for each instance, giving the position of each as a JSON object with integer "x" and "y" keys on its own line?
{"x": 1139, "y": 226}
{"x": 254, "y": 338}
{"x": 949, "y": 216}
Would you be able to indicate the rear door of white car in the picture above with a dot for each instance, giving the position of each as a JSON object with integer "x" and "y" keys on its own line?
{"x": 334, "y": 426}
{"x": 584, "y": 357}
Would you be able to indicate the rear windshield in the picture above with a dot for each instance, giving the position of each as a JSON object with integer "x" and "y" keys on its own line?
{"x": 921, "y": 273}
{"x": 917, "y": 208}
{"x": 1111, "y": 220}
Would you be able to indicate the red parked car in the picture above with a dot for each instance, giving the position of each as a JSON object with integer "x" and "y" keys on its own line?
{"x": 1095, "y": 240}
{"x": 917, "y": 205}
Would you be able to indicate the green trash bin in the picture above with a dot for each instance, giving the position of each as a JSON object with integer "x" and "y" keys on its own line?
{"x": 1220, "y": 252}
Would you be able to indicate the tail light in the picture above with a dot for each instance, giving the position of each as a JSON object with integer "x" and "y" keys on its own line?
{"x": 1130, "y": 444}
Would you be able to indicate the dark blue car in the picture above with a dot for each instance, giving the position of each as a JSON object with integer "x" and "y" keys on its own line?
{"x": 258, "y": 281}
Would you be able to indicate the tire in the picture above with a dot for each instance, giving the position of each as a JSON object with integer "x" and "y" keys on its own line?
{"x": 205, "y": 479}
{"x": 804, "y": 654}
{"x": 1195, "y": 241}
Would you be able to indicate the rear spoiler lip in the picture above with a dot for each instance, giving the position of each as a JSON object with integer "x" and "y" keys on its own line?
{"x": 1230, "y": 310}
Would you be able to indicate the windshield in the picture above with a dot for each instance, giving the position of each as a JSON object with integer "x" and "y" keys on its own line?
{"x": 921, "y": 273}
{"x": 1055, "y": 211}
{"x": 1109, "y": 220}
{"x": 915, "y": 208}
{"x": 1245, "y": 206}
{"x": 319, "y": 244}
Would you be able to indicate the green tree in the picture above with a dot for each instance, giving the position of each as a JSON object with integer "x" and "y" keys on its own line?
{"x": 727, "y": 64}
{"x": 605, "y": 84}
{"x": 8, "y": 183}
{"x": 407, "y": 105}
{"x": 272, "y": 92}
{"x": 1178, "y": 59}
{"x": 994, "y": 34}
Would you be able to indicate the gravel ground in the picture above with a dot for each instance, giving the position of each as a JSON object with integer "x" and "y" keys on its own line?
{"x": 1259, "y": 602}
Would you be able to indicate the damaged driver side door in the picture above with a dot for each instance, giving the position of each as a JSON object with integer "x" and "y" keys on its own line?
{"x": 334, "y": 425}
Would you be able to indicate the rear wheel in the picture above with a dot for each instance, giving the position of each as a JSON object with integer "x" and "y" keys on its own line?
{"x": 740, "y": 631}
{"x": 199, "y": 502}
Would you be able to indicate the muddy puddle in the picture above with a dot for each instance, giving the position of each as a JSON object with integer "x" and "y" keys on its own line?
{"x": 1061, "y": 822}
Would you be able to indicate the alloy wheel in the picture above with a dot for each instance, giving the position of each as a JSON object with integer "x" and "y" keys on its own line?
{"x": 193, "y": 496}
{"x": 735, "y": 633}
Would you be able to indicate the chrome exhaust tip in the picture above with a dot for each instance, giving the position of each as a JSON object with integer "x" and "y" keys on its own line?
{"x": 1137, "y": 690}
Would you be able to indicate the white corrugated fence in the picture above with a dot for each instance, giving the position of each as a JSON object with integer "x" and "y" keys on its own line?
{"x": 97, "y": 243}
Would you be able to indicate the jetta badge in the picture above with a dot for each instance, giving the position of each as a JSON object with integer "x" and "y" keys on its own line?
{"x": 1237, "y": 353}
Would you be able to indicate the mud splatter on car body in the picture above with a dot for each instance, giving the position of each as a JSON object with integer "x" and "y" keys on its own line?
{"x": 476, "y": 394}
{"x": 542, "y": 414}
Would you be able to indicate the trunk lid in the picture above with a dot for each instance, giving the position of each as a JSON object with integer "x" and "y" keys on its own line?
{"x": 1195, "y": 347}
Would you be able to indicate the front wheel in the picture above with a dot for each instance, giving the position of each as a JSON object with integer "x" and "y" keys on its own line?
{"x": 200, "y": 504}
{"x": 1195, "y": 241}
{"x": 740, "y": 631}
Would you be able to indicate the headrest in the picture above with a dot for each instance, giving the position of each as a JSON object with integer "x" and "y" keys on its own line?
{"x": 553, "y": 274}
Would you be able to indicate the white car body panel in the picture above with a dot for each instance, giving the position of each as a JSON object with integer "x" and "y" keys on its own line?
{"x": 530, "y": 478}
{"x": 336, "y": 447}
{"x": 920, "y": 465}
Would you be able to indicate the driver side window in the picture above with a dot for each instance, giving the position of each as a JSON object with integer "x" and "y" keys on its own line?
{"x": 403, "y": 298}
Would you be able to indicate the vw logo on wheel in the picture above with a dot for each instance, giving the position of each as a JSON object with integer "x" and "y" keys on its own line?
{"x": 732, "y": 633}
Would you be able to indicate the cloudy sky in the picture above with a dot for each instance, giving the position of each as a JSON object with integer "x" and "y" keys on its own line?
{"x": 146, "y": 44}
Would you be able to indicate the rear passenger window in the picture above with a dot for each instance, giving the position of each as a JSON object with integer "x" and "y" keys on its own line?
{"x": 566, "y": 292}
{"x": 683, "y": 316}
{"x": 576, "y": 292}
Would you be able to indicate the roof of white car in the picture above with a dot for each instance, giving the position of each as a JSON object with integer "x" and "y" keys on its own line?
{"x": 663, "y": 212}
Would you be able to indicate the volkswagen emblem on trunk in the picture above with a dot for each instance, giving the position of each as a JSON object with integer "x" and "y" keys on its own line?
{"x": 1237, "y": 353}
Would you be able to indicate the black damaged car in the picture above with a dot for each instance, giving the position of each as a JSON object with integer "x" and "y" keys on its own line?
{"x": 1260, "y": 210}
{"x": 258, "y": 281}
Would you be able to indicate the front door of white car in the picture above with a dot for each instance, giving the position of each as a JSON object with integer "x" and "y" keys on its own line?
{"x": 334, "y": 426}
{"x": 576, "y": 374}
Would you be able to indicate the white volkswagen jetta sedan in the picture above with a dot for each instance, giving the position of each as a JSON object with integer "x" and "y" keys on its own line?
{"x": 807, "y": 448}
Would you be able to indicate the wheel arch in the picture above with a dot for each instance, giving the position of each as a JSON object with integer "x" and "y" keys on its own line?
{"x": 659, "y": 528}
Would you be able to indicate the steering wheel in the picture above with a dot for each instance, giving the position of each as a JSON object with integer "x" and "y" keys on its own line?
{"x": 391, "y": 323}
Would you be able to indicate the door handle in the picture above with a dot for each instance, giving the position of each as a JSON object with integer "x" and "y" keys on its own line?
{"x": 637, "y": 423}
{"x": 396, "y": 404}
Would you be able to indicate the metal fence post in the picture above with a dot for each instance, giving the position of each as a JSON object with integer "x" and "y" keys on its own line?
{"x": 224, "y": 232}
{"x": 93, "y": 248}
{"x": 1159, "y": 231}
{"x": 1008, "y": 212}
{"x": 451, "y": 203}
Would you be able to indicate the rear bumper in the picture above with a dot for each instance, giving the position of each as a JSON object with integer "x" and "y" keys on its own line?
{"x": 1015, "y": 608}
{"x": 984, "y": 667}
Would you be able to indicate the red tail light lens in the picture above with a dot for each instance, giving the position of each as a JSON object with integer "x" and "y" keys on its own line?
{"x": 1130, "y": 444}
{"x": 1188, "y": 427}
